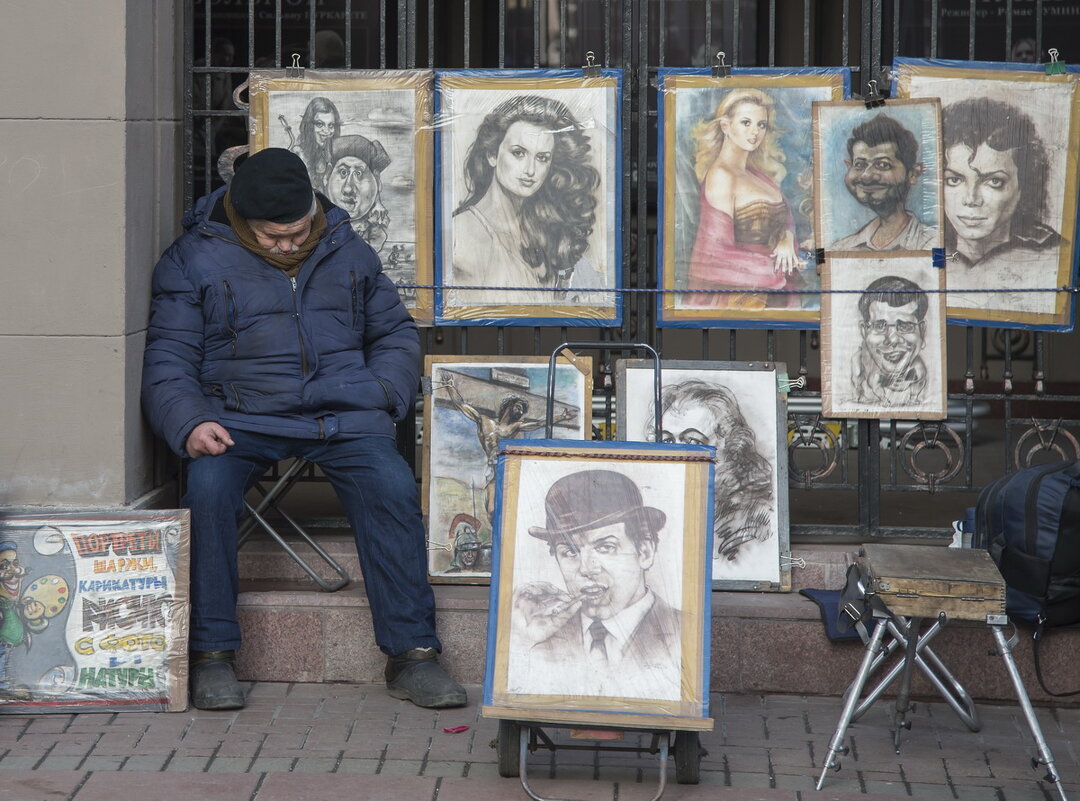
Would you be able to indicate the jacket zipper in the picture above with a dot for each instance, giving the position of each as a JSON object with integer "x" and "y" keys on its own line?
{"x": 230, "y": 314}
{"x": 352, "y": 280}
{"x": 299, "y": 330}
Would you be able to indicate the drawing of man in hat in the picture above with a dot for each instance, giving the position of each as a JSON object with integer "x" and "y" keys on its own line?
{"x": 354, "y": 184}
{"x": 608, "y": 633}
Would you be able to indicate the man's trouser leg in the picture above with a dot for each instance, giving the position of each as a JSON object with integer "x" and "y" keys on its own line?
{"x": 215, "y": 495}
{"x": 379, "y": 494}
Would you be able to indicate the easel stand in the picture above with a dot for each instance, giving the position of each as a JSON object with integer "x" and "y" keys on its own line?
{"x": 898, "y": 613}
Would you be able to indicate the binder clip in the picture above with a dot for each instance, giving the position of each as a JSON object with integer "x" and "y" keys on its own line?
{"x": 591, "y": 68}
{"x": 937, "y": 257}
{"x": 720, "y": 68}
{"x": 819, "y": 255}
{"x": 1053, "y": 66}
{"x": 873, "y": 99}
{"x": 295, "y": 71}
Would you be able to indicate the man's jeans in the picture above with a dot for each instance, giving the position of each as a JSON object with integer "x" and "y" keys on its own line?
{"x": 378, "y": 491}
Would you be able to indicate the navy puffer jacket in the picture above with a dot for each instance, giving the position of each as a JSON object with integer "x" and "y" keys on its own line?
{"x": 233, "y": 340}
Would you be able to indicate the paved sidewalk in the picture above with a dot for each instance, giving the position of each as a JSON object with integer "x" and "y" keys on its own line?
{"x": 328, "y": 742}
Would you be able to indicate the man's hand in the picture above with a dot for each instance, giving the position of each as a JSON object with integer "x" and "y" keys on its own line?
{"x": 207, "y": 439}
{"x": 542, "y": 609}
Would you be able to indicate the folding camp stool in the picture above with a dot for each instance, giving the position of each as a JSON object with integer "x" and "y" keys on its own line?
{"x": 902, "y": 585}
{"x": 271, "y": 498}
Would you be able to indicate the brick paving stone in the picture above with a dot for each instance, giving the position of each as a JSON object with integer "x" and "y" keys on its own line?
{"x": 19, "y": 762}
{"x": 971, "y": 792}
{"x": 929, "y": 791}
{"x": 47, "y": 724}
{"x": 401, "y": 767}
{"x": 801, "y": 783}
{"x": 350, "y": 765}
{"x": 182, "y": 764}
{"x": 739, "y": 779}
{"x": 229, "y": 765}
{"x": 439, "y": 768}
{"x": 39, "y": 785}
{"x": 511, "y": 790}
{"x": 974, "y": 766}
{"x": 481, "y": 770}
{"x": 60, "y": 762}
{"x": 267, "y": 764}
{"x": 365, "y": 749}
{"x": 797, "y": 756}
{"x": 240, "y": 747}
{"x": 201, "y": 786}
{"x": 145, "y": 762}
{"x": 885, "y": 787}
{"x": 103, "y": 763}
{"x": 334, "y": 787}
{"x": 316, "y": 764}
{"x": 80, "y": 746}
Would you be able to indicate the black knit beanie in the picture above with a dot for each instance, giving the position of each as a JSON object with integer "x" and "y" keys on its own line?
{"x": 272, "y": 185}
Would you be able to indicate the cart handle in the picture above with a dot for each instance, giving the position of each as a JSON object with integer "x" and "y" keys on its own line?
{"x": 549, "y": 429}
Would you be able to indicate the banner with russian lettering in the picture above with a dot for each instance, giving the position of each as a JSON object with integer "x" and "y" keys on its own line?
{"x": 94, "y": 611}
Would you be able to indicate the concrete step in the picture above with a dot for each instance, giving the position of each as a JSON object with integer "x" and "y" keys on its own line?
{"x": 761, "y": 642}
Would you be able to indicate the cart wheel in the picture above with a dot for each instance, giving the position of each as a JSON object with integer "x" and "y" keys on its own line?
{"x": 687, "y": 757}
{"x": 509, "y": 749}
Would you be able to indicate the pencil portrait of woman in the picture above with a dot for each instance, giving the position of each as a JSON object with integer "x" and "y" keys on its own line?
{"x": 745, "y": 236}
{"x": 319, "y": 126}
{"x": 530, "y": 204}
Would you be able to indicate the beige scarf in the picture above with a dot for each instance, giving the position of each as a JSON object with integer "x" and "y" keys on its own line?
{"x": 289, "y": 263}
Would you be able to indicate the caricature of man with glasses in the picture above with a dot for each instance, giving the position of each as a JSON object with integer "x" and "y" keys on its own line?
{"x": 888, "y": 368}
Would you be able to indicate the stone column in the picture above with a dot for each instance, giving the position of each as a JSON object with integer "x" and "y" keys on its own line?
{"x": 90, "y": 180}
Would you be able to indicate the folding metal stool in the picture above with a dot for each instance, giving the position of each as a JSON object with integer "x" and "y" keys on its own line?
{"x": 257, "y": 518}
{"x": 901, "y": 585}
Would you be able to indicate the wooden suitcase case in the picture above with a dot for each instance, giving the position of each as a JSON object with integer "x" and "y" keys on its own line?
{"x": 923, "y": 580}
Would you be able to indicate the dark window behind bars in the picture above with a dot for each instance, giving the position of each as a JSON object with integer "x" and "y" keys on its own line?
{"x": 1012, "y": 395}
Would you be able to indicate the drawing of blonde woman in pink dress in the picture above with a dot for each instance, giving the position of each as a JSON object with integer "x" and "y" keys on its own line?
{"x": 746, "y": 233}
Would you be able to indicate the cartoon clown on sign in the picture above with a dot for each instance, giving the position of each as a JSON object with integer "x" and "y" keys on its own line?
{"x": 19, "y": 617}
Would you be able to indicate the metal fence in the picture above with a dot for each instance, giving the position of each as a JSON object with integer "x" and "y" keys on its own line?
{"x": 1012, "y": 397}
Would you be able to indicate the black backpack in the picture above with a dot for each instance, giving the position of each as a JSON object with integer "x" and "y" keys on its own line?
{"x": 1030, "y": 522}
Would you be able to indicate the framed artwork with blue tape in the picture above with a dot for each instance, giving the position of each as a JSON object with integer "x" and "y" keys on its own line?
{"x": 528, "y": 187}
{"x": 736, "y": 225}
{"x": 1011, "y": 183}
{"x": 600, "y": 607}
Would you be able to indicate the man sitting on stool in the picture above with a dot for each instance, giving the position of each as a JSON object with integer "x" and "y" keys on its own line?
{"x": 274, "y": 333}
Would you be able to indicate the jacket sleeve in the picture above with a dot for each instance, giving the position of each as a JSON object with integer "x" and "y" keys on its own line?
{"x": 172, "y": 397}
{"x": 391, "y": 342}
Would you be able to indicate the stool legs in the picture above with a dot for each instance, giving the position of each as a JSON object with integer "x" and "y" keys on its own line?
{"x": 1045, "y": 757}
{"x": 951, "y": 690}
{"x": 851, "y": 699}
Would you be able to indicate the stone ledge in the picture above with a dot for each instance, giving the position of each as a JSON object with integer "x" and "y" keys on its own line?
{"x": 761, "y": 643}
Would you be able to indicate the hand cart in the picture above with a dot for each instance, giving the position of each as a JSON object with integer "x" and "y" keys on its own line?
{"x": 517, "y": 738}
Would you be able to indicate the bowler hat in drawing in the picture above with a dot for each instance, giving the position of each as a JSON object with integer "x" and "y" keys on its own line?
{"x": 593, "y": 499}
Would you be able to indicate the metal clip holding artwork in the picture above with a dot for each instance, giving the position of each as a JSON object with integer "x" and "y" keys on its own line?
{"x": 873, "y": 98}
{"x": 720, "y": 68}
{"x": 1053, "y": 66}
{"x": 295, "y": 70}
{"x": 938, "y": 258}
{"x": 786, "y": 384}
{"x": 591, "y": 68}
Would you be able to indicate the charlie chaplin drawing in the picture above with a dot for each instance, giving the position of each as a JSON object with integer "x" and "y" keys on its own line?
{"x": 606, "y": 632}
